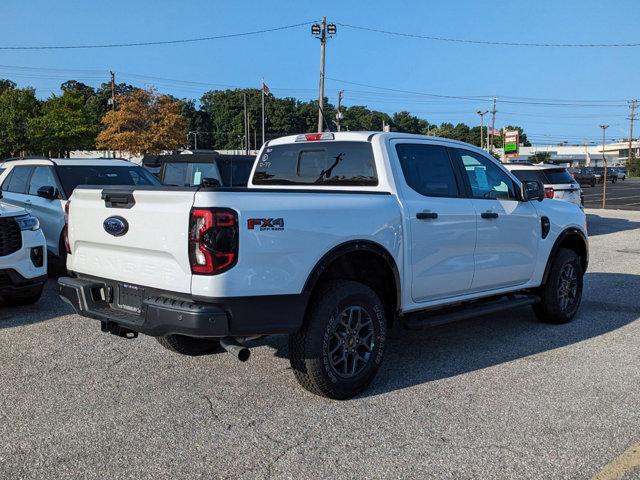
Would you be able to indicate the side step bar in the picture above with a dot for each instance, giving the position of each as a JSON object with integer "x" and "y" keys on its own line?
{"x": 441, "y": 316}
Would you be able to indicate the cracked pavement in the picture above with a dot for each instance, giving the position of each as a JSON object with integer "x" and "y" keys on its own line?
{"x": 492, "y": 397}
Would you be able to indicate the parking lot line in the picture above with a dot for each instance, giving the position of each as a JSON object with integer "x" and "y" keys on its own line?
{"x": 622, "y": 465}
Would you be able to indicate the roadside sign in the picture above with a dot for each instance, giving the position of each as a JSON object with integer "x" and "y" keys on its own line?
{"x": 511, "y": 143}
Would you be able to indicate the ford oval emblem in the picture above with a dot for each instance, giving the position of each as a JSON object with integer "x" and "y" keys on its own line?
{"x": 116, "y": 226}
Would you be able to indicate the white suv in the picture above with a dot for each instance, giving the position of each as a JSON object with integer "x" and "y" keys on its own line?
{"x": 558, "y": 182}
{"x": 43, "y": 186}
{"x": 23, "y": 263}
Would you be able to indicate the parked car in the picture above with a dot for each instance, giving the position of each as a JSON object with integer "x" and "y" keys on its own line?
{"x": 620, "y": 173}
{"x": 611, "y": 177}
{"x": 23, "y": 263}
{"x": 43, "y": 186}
{"x": 558, "y": 182}
{"x": 338, "y": 237}
{"x": 187, "y": 170}
{"x": 584, "y": 176}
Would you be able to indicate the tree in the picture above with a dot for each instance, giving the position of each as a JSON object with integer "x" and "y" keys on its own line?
{"x": 63, "y": 125}
{"x": 407, "y": 123}
{"x": 144, "y": 122}
{"x": 199, "y": 121}
{"x": 540, "y": 157}
{"x": 17, "y": 107}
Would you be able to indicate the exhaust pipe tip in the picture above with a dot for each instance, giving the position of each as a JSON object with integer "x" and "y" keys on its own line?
{"x": 235, "y": 348}
{"x": 244, "y": 354}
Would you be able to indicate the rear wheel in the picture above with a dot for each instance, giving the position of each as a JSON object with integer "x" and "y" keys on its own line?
{"x": 190, "y": 346}
{"x": 20, "y": 299}
{"x": 339, "y": 349}
{"x": 561, "y": 295}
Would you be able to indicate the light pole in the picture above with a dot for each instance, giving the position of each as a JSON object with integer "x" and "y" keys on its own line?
{"x": 320, "y": 32}
{"x": 604, "y": 162}
{"x": 482, "y": 114}
{"x": 195, "y": 140}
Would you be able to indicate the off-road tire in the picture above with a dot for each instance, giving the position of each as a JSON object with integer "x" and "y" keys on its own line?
{"x": 18, "y": 300}
{"x": 190, "y": 346}
{"x": 550, "y": 308}
{"x": 324, "y": 324}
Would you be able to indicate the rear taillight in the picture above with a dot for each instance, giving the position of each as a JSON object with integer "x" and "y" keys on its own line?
{"x": 213, "y": 240}
{"x": 548, "y": 192}
{"x": 65, "y": 229}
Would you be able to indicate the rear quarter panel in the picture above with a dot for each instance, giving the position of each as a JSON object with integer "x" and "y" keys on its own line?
{"x": 279, "y": 261}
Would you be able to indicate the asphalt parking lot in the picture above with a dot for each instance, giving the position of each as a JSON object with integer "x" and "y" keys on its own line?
{"x": 622, "y": 195}
{"x": 493, "y": 397}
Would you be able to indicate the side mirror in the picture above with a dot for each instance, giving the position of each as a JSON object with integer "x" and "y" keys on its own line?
{"x": 47, "y": 192}
{"x": 532, "y": 190}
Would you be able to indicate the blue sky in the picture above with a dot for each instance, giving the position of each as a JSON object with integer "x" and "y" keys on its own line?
{"x": 288, "y": 60}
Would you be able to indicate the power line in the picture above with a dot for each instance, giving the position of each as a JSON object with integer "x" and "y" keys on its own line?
{"x": 486, "y": 98}
{"x": 489, "y": 42}
{"x": 158, "y": 42}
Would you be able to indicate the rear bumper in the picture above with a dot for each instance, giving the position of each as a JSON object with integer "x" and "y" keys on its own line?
{"x": 12, "y": 282}
{"x": 165, "y": 313}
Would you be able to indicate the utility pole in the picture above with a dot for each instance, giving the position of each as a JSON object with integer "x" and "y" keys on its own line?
{"x": 482, "y": 114}
{"x": 632, "y": 105}
{"x": 264, "y": 87}
{"x": 246, "y": 126}
{"x": 339, "y": 113}
{"x": 320, "y": 32}
{"x": 604, "y": 161}
{"x": 493, "y": 125}
{"x": 113, "y": 91}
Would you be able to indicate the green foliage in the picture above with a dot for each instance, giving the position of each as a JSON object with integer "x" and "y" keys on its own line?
{"x": 17, "y": 107}
{"x": 63, "y": 125}
{"x": 540, "y": 157}
{"x": 72, "y": 121}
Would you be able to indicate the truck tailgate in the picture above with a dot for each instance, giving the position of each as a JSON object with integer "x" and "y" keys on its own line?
{"x": 152, "y": 251}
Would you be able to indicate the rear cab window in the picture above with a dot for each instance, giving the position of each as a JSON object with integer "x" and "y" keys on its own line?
{"x": 342, "y": 163}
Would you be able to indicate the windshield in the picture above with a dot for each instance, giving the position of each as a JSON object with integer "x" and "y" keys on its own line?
{"x": 558, "y": 175}
{"x": 73, "y": 175}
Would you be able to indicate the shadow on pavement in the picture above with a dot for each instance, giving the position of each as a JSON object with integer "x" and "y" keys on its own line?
{"x": 48, "y": 307}
{"x": 416, "y": 357}
{"x": 597, "y": 225}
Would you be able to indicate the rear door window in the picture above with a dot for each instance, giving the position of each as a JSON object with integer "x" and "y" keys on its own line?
{"x": 427, "y": 169}
{"x": 317, "y": 163}
{"x": 559, "y": 175}
{"x": 18, "y": 181}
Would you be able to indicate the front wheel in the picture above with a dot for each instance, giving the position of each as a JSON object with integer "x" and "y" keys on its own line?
{"x": 17, "y": 300}
{"x": 340, "y": 346}
{"x": 561, "y": 295}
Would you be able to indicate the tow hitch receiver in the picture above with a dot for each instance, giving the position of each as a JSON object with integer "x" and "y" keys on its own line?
{"x": 115, "y": 329}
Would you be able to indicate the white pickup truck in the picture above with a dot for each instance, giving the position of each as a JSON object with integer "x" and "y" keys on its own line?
{"x": 337, "y": 238}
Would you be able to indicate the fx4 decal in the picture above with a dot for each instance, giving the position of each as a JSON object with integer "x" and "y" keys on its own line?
{"x": 265, "y": 224}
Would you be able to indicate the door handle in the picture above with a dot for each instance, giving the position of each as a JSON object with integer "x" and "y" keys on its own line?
{"x": 28, "y": 202}
{"x": 426, "y": 215}
{"x": 489, "y": 215}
